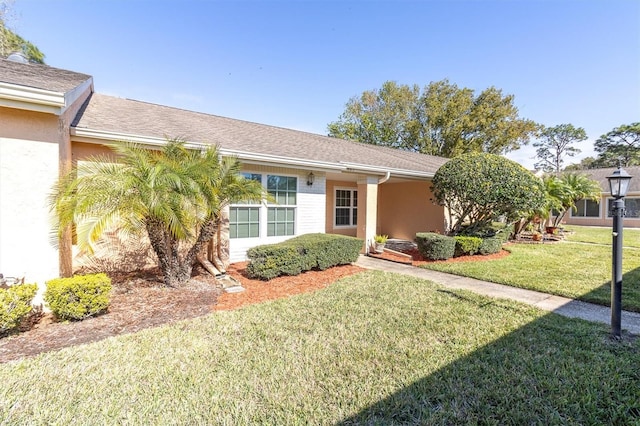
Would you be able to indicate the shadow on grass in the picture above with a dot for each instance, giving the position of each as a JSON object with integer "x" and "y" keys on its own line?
{"x": 553, "y": 370}
{"x": 630, "y": 292}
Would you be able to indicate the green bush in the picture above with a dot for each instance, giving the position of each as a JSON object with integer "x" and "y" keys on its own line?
{"x": 79, "y": 297}
{"x": 467, "y": 246}
{"x": 434, "y": 246}
{"x": 303, "y": 253}
{"x": 491, "y": 245}
{"x": 15, "y": 305}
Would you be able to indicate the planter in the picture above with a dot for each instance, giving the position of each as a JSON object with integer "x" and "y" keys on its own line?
{"x": 536, "y": 237}
{"x": 551, "y": 230}
{"x": 378, "y": 247}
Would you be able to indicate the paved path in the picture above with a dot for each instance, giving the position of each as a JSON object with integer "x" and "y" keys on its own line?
{"x": 560, "y": 305}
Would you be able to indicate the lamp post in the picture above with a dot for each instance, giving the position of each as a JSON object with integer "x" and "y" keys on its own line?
{"x": 619, "y": 184}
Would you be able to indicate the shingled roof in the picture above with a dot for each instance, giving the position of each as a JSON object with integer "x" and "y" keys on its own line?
{"x": 134, "y": 119}
{"x": 40, "y": 76}
{"x": 600, "y": 175}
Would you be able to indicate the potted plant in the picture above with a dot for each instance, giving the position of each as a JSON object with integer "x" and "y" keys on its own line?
{"x": 380, "y": 241}
{"x": 536, "y": 236}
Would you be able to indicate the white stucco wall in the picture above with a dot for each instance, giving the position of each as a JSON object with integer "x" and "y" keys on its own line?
{"x": 27, "y": 171}
{"x": 310, "y": 210}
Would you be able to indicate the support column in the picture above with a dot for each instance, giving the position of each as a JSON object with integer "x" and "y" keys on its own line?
{"x": 367, "y": 210}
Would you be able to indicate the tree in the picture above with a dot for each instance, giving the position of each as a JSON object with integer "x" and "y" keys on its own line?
{"x": 555, "y": 143}
{"x": 11, "y": 42}
{"x": 584, "y": 164}
{"x": 442, "y": 120}
{"x": 573, "y": 187}
{"x": 174, "y": 195}
{"x": 477, "y": 188}
{"x": 622, "y": 144}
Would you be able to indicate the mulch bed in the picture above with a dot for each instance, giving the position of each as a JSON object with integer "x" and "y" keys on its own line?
{"x": 140, "y": 300}
{"x": 416, "y": 258}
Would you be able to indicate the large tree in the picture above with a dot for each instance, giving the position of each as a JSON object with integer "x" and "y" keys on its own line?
{"x": 556, "y": 143}
{"x": 174, "y": 195}
{"x": 477, "y": 188}
{"x": 622, "y": 144}
{"x": 442, "y": 119}
{"x": 11, "y": 42}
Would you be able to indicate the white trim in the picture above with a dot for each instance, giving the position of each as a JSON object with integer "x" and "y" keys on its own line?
{"x": 351, "y": 207}
{"x": 40, "y": 100}
{"x": 383, "y": 170}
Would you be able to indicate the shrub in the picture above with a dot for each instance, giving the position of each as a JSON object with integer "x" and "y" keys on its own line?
{"x": 491, "y": 245}
{"x": 79, "y": 297}
{"x": 302, "y": 253}
{"x": 15, "y": 305}
{"x": 434, "y": 246}
{"x": 467, "y": 245}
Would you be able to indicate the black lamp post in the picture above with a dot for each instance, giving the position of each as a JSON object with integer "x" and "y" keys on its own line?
{"x": 619, "y": 184}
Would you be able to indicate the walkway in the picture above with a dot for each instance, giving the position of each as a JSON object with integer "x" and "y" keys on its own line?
{"x": 560, "y": 305}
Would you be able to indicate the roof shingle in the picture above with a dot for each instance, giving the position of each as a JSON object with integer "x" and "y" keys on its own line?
{"x": 40, "y": 76}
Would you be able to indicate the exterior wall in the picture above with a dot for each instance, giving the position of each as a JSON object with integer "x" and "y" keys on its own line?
{"x": 405, "y": 208}
{"x": 28, "y": 169}
{"x": 330, "y": 227}
{"x": 310, "y": 211}
{"x": 603, "y": 220}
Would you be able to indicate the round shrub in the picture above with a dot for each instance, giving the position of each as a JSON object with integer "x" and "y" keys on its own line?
{"x": 490, "y": 245}
{"x": 434, "y": 246}
{"x": 467, "y": 246}
{"x": 15, "y": 305}
{"x": 476, "y": 188}
{"x": 79, "y": 297}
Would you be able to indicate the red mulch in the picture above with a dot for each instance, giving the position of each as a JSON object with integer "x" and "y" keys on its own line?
{"x": 139, "y": 300}
{"x": 417, "y": 259}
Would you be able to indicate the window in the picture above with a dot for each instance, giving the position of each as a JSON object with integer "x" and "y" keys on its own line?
{"x": 586, "y": 208}
{"x": 631, "y": 207}
{"x": 244, "y": 220}
{"x": 281, "y": 220}
{"x": 346, "y": 212}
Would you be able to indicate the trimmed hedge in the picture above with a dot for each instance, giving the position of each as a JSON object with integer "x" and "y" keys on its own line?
{"x": 434, "y": 246}
{"x": 78, "y": 297}
{"x": 302, "y": 253}
{"x": 15, "y": 305}
{"x": 467, "y": 246}
{"x": 490, "y": 245}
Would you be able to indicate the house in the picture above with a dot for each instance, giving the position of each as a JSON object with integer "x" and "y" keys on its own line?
{"x": 51, "y": 119}
{"x": 598, "y": 213}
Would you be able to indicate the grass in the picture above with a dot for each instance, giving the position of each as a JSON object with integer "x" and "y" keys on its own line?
{"x": 373, "y": 348}
{"x": 602, "y": 235}
{"x": 577, "y": 271}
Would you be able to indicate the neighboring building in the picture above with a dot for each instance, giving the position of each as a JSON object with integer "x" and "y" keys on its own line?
{"x": 598, "y": 213}
{"x": 51, "y": 119}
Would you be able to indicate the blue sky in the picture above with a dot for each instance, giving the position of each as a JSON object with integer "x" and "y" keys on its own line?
{"x": 296, "y": 63}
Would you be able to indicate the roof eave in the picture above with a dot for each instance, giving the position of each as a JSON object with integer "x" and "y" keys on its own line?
{"x": 31, "y": 98}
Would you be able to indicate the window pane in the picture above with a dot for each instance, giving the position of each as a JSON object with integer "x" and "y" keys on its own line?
{"x": 289, "y": 229}
{"x": 271, "y": 229}
{"x": 579, "y": 212}
{"x": 355, "y": 198}
{"x": 292, "y": 199}
{"x": 355, "y": 217}
{"x": 342, "y": 216}
{"x": 592, "y": 208}
{"x": 632, "y": 207}
{"x": 244, "y": 222}
{"x": 233, "y": 231}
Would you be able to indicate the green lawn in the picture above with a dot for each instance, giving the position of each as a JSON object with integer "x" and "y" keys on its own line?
{"x": 578, "y": 271}
{"x": 599, "y": 235}
{"x": 373, "y": 348}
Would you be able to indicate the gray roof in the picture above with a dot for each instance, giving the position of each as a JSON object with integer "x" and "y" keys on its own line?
{"x": 600, "y": 175}
{"x": 40, "y": 76}
{"x": 141, "y": 119}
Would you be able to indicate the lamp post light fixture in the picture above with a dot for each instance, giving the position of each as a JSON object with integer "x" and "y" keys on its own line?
{"x": 618, "y": 184}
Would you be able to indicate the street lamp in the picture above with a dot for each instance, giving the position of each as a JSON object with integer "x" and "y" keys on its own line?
{"x": 619, "y": 184}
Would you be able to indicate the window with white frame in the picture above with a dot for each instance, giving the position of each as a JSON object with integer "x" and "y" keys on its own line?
{"x": 631, "y": 207}
{"x": 586, "y": 208}
{"x": 281, "y": 219}
{"x": 244, "y": 218}
{"x": 346, "y": 207}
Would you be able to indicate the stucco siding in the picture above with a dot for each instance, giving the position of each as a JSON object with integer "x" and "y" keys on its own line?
{"x": 405, "y": 208}
{"x": 28, "y": 169}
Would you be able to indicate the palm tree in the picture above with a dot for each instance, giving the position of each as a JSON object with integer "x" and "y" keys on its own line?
{"x": 175, "y": 195}
{"x": 575, "y": 187}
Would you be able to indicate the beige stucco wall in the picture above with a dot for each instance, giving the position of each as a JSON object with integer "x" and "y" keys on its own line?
{"x": 330, "y": 227}
{"x": 28, "y": 169}
{"x": 405, "y": 208}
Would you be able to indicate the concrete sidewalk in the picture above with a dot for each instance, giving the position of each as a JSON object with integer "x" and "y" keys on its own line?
{"x": 560, "y": 305}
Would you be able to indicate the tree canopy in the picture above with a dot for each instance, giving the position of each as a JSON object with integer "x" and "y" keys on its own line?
{"x": 174, "y": 195}
{"x": 442, "y": 119}
{"x": 622, "y": 144}
{"x": 477, "y": 188}
{"x": 11, "y": 42}
{"x": 555, "y": 143}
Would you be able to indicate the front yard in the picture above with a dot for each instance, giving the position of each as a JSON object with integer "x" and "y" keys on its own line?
{"x": 373, "y": 348}
{"x": 578, "y": 268}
